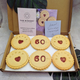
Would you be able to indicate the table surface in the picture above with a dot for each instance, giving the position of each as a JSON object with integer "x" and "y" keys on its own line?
{"x": 5, "y": 32}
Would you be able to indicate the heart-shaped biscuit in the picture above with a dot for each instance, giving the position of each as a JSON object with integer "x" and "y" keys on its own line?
{"x": 63, "y": 59}
{"x": 60, "y": 41}
{"x": 18, "y": 58}
{"x": 44, "y": 15}
{"x": 20, "y": 41}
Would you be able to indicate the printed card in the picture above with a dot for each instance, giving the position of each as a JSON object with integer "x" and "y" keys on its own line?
{"x": 32, "y": 21}
{"x": 27, "y": 21}
{"x": 52, "y": 28}
{"x": 43, "y": 15}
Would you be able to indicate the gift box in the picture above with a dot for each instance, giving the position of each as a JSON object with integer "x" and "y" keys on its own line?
{"x": 64, "y": 8}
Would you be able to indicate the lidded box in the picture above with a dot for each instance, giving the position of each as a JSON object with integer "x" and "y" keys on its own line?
{"x": 64, "y": 8}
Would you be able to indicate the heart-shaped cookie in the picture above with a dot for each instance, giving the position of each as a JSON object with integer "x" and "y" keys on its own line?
{"x": 18, "y": 58}
{"x": 20, "y": 41}
{"x": 63, "y": 59}
{"x": 60, "y": 41}
{"x": 44, "y": 15}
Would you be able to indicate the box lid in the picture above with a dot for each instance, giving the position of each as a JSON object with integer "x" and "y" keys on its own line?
{"x": 64, "y": 8}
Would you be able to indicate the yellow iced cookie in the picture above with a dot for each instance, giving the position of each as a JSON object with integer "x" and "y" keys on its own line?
{"x": 62, "y": 60}
{"x": 17, "y": 59}
{"x": 40, "y": 60}
{"x": 20, "y": 41}
{"x": 44, "y": 14}
{"x": 60, "y": 42}
{"x": 40, "y": 42}
{"x": 41, "y": 22}
{"x": 51, "y": 19}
